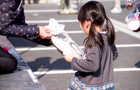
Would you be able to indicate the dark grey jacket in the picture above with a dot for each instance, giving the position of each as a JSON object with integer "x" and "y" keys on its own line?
{"x": 97, "y": 68}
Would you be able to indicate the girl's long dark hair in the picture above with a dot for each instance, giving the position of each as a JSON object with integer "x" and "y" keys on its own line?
{"x": 94, "y": 11}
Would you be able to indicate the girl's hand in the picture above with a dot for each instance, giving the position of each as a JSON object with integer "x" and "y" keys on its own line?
{"x": 68, "y": 57}
{"x": 129, "y": 5}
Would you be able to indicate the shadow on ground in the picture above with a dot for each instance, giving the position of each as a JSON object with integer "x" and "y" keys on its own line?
{"x": 44, "y": 63}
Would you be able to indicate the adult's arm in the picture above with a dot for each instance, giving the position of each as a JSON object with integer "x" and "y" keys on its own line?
{"x": 13, "y": 24}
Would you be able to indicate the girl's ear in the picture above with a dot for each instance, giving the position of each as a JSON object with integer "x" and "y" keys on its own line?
{"x": 87, "y": 24}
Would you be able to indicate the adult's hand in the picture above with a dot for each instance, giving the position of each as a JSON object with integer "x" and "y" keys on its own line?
{"x": 129, "y": 5}
{"x": 44, "y": 33}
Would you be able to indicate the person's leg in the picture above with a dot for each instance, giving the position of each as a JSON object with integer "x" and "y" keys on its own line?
{"x": 117, "y": 7}
{"x": 67, "y": 4}
{"x": 29, "y": 2}
{"x": 8, "y": 63}
{"x": 71, "y": 10}
{"x": 62, "y": 4}
{"x": 63, "y": 9}
{"x": 68, "y": 9}
{"x": 117, "y": 4}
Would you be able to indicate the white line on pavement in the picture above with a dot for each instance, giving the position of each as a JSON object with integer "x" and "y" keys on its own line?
{"x": 126, "y": 69}
{"x": 33, "y": 77}
{"x": 84, "y": 1}
{"x": 128, "y": 45}
{"x": 79, "y": 31}
{"x": 74, "y": 32}
{"x": 53, "y": 48}
{"x": 72, "y": 71}
{"x": 117, "y": 24}
{"x": 123, "y": 28}
{"x": 38, "y": 11}
{"x": 36, "y": 49}
{"x": 55, "y": 72}
{"x": 47, "y": 21}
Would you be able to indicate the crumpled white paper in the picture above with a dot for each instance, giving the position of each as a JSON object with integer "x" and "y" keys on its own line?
{"x": 62, "y": 40}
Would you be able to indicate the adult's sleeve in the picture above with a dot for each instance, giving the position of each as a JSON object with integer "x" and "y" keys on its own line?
{"x": 17, "y": 27}
{"x": 90, "y": 64}
{"x": 12, "y": 22}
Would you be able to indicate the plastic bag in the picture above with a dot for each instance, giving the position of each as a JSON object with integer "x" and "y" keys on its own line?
{"x": 62, "y": 40}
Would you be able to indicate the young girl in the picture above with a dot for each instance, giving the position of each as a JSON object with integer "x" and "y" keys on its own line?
{"x": 96, "y": 71}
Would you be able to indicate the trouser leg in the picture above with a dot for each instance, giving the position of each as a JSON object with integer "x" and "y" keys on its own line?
{"x": 8, "y": 63}
{"x": 62, "y": 4}
{"x": 67, "y": 3}
{"x": 117, "y": 3}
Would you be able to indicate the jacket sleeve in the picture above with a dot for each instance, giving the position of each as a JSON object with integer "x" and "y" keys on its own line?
{"x": 16, "y": 26}
{"x": 115, "y": 52}
{"x": 90, "y": 64}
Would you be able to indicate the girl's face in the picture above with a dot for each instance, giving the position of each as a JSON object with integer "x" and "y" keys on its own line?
{"x": 85, "y": 26}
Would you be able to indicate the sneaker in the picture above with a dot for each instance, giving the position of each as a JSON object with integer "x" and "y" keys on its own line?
{"x": 116, "y": 10}
{"x": 65, "y": 11}
{"x": 72, "y": 11}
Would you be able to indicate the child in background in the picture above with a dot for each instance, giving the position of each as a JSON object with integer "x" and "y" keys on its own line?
{"x": 96, "y": 71}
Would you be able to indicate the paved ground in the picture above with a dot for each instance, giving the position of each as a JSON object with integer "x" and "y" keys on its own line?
{"x": 126, "y": 66}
